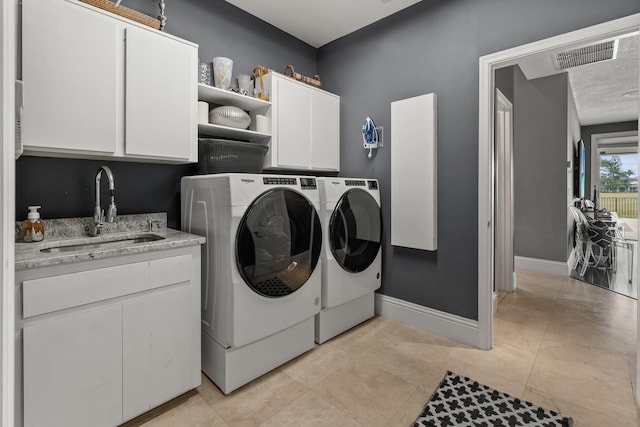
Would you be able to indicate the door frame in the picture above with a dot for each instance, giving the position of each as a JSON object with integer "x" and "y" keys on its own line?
{"x": 505, "y": 280}
{"x": 486, "y": 165}
{"x": 8, "y": 70}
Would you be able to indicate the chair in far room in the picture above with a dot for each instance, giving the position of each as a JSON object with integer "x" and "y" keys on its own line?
{"x": 581, "y": 237}
{"x": 600, "y": 250}
{"x": 619, "y": 241}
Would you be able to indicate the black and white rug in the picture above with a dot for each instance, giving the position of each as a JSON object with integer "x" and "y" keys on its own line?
{"x": 461, "y": 401}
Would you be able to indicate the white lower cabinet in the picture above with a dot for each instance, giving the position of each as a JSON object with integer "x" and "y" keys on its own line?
{"x": 105, "y": 341}
{"x": 157, "y": 349}
{"x": 73, "y": 370}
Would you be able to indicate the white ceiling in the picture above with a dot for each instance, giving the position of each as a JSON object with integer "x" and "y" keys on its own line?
{"x": 321, "y": 21}
{"x": 598, "y": 88}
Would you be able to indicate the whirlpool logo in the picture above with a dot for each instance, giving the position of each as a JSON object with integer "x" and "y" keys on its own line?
{"x": 247, "y": 180}
{"x": 335, "y": 182}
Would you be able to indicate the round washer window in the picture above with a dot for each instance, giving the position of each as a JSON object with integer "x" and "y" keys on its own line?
{"x": 355, "y": 230}
{"x": 278, "y": 242}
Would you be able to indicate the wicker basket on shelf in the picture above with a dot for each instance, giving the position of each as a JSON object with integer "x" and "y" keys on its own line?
{"x": 125, "y": 12}
{"x": 222, "y": 156}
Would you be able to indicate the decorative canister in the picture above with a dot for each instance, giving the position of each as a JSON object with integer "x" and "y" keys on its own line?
{"x": 204, "y": 73}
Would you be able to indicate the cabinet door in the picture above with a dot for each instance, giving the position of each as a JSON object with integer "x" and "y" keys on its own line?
{"x": 293, "y": 124}
{"x": 325, "y": 131}
{"x": 70, "y": 70}
{"x": 73, "y": 370}
{"x": 160, "y": 96}
{"x": 161, "y": 348}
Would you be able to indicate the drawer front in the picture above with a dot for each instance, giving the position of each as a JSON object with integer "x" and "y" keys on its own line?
{"x": 49, "y": 294}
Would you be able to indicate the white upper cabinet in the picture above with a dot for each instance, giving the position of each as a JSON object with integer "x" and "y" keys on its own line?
{"x": 292, "y": 119}
{"x": 160, "y": 96}
{"x": 70, "y": 71}
{"x": 100, "y": 86}
{"x": 305, "y": 126}
{"x": 325, "y": 131}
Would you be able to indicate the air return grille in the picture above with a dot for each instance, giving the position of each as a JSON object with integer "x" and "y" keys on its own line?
{"x": 587, "y": 55}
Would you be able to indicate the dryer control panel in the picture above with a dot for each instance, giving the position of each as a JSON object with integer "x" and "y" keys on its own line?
{"x": 308, "y": 184}
{"x": 354, "y": 182}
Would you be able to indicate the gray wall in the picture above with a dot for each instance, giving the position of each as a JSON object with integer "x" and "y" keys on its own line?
{"x": 587, "y": 131}
{"x": 434, "y": 46}
{"x": 545, "y": 124}
{"x": 504, "y": 81}
{"x": 222, "y": 29}
{"x": 64, "y": 187}
{"x": 540, "y": 166}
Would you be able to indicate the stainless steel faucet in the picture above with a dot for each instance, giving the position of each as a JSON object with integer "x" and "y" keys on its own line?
{"x": 98, "y": 213}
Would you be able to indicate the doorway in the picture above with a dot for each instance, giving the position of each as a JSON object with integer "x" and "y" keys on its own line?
{"x": 486, "y": 156}
{"x": 504, "y": 261}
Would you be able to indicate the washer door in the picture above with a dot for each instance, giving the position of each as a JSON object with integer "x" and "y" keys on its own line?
{"x": 355, "y": 230}
{"x": 278, "y": 242}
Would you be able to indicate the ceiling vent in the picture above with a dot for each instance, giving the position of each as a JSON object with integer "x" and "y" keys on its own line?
{"x": 587, "y": 55}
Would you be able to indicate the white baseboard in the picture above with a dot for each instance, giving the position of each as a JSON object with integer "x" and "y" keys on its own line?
{"x": 447, "y": 325}
{"x": 542, "y": 265}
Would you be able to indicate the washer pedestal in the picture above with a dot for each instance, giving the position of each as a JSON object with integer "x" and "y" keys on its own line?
{"x": 335, "y": 320}
{"x": 231, "y": 368}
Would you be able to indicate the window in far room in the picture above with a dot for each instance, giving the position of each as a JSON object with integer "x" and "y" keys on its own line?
{"x": 619, "y": 184}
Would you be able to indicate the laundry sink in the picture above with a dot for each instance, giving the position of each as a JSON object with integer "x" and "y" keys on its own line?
{"x": 106, "y": 244}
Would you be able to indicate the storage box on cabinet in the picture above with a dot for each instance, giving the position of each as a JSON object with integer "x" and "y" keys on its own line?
{"x": 81, "y": 65}
{"x": 101, "y": 342}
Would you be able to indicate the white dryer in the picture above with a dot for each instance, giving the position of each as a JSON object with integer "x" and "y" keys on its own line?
{"x": 351, "y": 255}
{"x": 260, "y": 285}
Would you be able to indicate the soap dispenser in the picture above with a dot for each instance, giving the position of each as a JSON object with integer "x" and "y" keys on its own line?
{"x": 33, "y": 227}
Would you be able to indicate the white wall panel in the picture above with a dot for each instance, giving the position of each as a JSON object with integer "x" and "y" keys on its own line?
{"x": 414, "y": 185}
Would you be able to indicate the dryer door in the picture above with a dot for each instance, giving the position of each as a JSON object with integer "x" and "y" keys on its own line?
{"x": 355, "y": 230}
{"x": 278, "y": 242}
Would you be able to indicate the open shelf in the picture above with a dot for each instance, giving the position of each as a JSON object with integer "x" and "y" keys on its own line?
{"x": 205, "y": 129}
{"x": 225, "y": 97}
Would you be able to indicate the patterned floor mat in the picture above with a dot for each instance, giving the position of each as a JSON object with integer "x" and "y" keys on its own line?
{"x": 460, "y": 401}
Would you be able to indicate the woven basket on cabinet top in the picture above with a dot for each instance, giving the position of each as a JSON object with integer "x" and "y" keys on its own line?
{"x": 124, "y": 12}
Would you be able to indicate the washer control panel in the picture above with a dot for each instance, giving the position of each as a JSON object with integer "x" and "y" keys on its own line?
{"x": 354, "y": 183}
{"x": 279, "y": 181}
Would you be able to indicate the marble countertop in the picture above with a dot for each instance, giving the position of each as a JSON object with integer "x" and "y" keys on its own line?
{"x": 116, "y": 240}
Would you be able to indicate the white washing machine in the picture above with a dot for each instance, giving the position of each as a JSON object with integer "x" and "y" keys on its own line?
{"x": 351, "y": 255}
{"x": 260, "y": 285}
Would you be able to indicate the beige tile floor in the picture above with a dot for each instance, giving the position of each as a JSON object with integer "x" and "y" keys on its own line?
{"x": 558, "y": 342}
